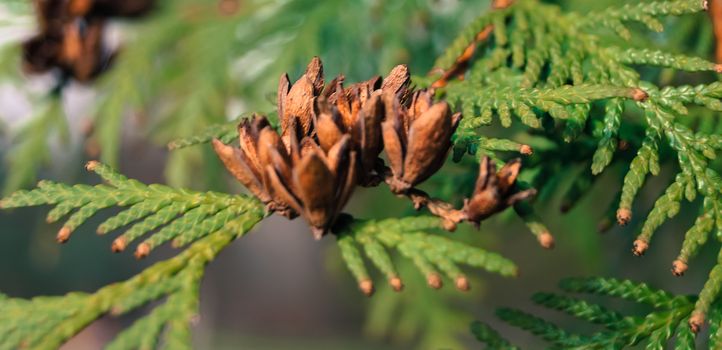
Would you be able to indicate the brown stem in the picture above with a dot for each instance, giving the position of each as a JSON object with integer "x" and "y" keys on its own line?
{"x": 714, "y": 8}
{"x": 462, "y": 62}
{"x": 444, "y": 210}
{"x": 450, "y": 216}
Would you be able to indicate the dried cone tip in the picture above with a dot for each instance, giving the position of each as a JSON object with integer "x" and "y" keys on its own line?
{"x": 142, "y": 251}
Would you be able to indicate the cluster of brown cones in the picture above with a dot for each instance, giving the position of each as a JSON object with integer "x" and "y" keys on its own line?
{"x": 330, "y": 141}
{"x": 70, "y": 37}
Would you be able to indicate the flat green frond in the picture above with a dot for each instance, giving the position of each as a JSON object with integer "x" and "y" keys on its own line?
{"x": 161, "y": 212}
{"x": 414, "y": 240}
{"x": 490, "y": 337}
{"x": 614, "y": 330}
{"x": 47, "y": 322}
{"x": 625, "y": 289}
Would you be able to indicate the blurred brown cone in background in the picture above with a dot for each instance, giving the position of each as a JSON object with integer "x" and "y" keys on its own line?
{"x": 70, "y": 37}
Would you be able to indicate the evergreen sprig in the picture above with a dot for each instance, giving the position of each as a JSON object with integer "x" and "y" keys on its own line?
{"x": 160, "y": 211}
{"x": 207, "y": 221}
{"x": 653, "y": 329}
{"x": 47, "y": 322}
{"x": 559, "y": 73}
{"x": 429, "y": 252}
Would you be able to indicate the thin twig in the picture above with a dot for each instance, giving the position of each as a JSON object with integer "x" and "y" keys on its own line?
{"x": 462, "y": 62}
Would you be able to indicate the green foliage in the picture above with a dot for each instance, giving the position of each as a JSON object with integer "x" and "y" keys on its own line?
{"x": 166, "y": 213}
{"x": 667, "y": 322}
{"x": 429, "y": 252}
{"x": 31, "y": 146}
{"x": 210, "y": 221}
{"x": 552, "y": 69}
{"x": 47, "y": 322}
{"x": 490, "y": 337}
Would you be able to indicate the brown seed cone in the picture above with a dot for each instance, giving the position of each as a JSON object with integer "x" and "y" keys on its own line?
{"x": 493, "y": 190}
{"x": 417, "y": 139}
{"x": 314, "y": 183}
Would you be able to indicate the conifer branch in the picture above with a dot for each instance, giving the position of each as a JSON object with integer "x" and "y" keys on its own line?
{"x": 167, "y": 214}
{"x": 433, "y": 255}
{"x": 616, "y": 330}
{"x": 47, "y": 322}
{"x": 550, "y": 69}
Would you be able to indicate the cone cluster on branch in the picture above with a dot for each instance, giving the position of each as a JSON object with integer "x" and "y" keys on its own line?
{"x": 70, "y": 35}
{"x": 330, "y": 141}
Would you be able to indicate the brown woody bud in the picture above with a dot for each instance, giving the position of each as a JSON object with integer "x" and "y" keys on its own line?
{"x": 142, "y": 250}
{"x": 526, "y": 150}
{"x": 91, "y": 165}
{"x": 639, "y": 95}
{"x": 63, "y": 235}
{"x": 119, "y": 245}
{"x": 696, "y": 321}
{"x": 546, "y": 240}
{"x": 434, "y": 281}
{"x": 396, "y": 284}
{"x": 679, "y": 267}
{"x": 624, "y": 215}
{"x": 640, "y": 247}
{"x": 462, "y": 284}
{"x": 417, "y": 139}
{"x": 367, "y": 287}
